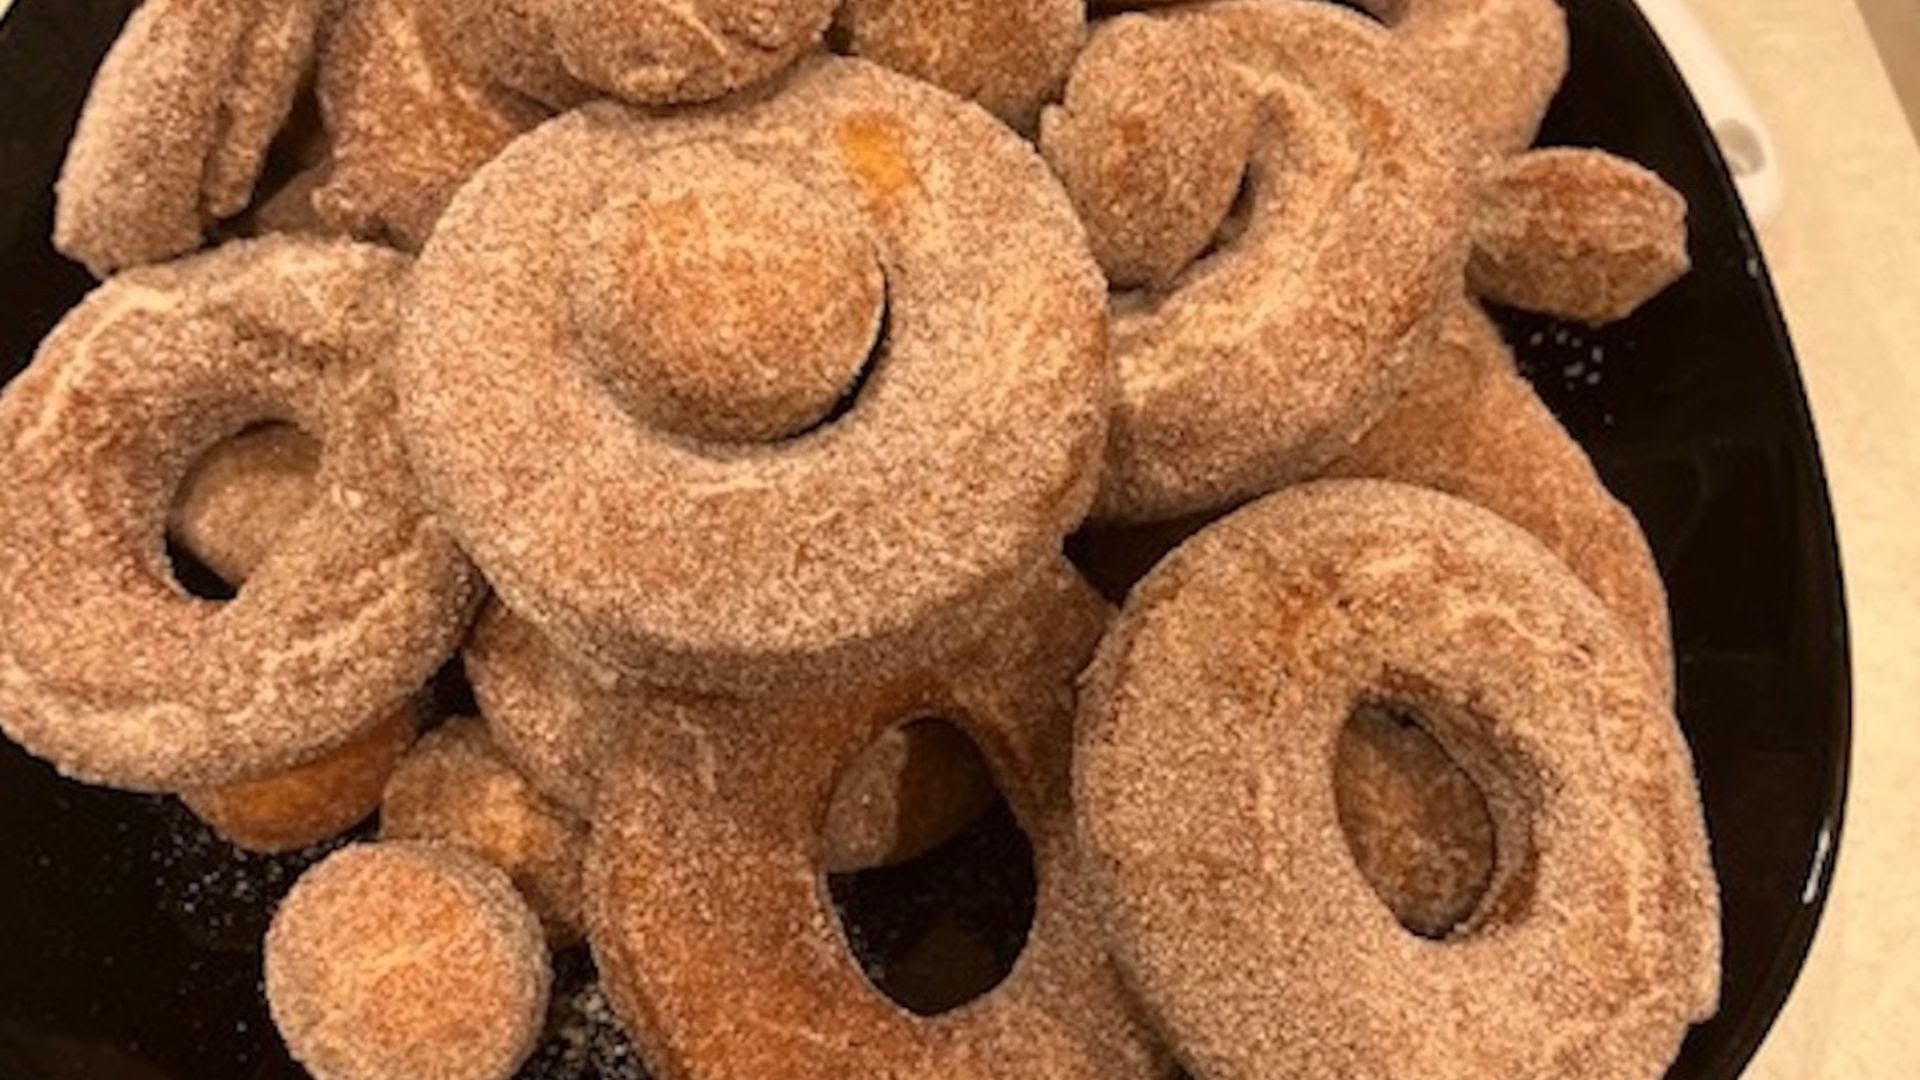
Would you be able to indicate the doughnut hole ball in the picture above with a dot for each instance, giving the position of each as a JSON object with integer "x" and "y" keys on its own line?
{"x": 1152, "y": 143}
{"x": 725, "y": 301}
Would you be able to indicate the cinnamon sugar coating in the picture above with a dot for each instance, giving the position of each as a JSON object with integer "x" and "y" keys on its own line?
{"x": 176, "y": 126}
{"x": 310, "y": 803}
{"x": 1581, "y": 234}
{"x": 1152, "y": 141}
{"x": 716, "y": 940}
{"x": 1012, "y": 58}
{"x": 1495, "y": 64}
{"x": 1206, "y": 741}
{"x": 407, "y": 959}
{"x": 456, "y": 788}
{"x": 241, "y": 495}
{"x": 559, "y": 720}
{"x": 1265, "y": 360}
{"x": 408, "y": 124}
{"x": 967, "y": 456}
{"x": 123, "y": 678}
{"x": 1471, "y": 426}
{"x": 655, "y": 54}
{"x": 724, "y": 300}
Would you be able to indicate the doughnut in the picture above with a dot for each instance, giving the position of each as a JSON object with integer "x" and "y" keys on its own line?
{"x": 1421, "y": 832}
{"x": 1576, "y": 233}
{"x": 558, "y": 720}
{"x": 1202, "y": 787}
{"x": 289, "y": 208}
{"x": 563, "y": 52}
{"x": 176, "y": 126}
{"x": 455, "y": 788}
{"x": 1260, "y": 362}
{"x": 1471, "y": 426}
{"x": 715, "y": 938}
{"x": 936, "y": 448}
{"x": 310, "y": 803}
{"x": 408, "y": 126}
{"x": 1012, "y": 58}
{"x": 241, "y": 496}
{"x": 406, "y": 959}
{"x": 122, "y": 678}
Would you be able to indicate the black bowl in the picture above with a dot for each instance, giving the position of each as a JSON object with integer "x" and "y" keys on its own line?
{"x": 131, "y": 936}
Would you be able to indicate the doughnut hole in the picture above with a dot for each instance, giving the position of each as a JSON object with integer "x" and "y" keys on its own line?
{"x": 724, "y": 301}
{"x": 1151, "y": 142}
{"x": 1420, "y": 828}
{"x": 945, "y": 927}
{"x": 236, "y": 501}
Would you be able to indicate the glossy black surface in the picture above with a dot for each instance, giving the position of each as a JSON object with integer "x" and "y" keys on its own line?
{"x": 129, "y": 938}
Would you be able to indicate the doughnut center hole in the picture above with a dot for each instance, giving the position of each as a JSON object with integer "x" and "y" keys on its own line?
{"x": 1419, "y": 826}
{"x": 1388, "y": 12}
{"x": 940, "y": 911}
{"x": 237, "y": 500}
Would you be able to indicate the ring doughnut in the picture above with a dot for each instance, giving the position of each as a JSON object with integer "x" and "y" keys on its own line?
{"x": 558, "y": 720}
{"x": 408, "y": 126}
{"x": 1471, "y": 426}
{"x": 715, "y": 939}
{"x": 176, "y": 127}
{"x": 314, "y": 802}
{"x": 406, "y": 959}
{"x": 1011, "y": 58}
{"x": 1261, "y": 362}
{"x": 1576, "y": 233}
{"x": 971, "y": 448}
{"x": 455, "y": 788}
{"x": 124, "y": 679}
{"x": 1243, "y": 924}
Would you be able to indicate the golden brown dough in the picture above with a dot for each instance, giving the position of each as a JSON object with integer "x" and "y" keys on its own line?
{"x": 455, "y": 788}
{"x": 290, "y": 809}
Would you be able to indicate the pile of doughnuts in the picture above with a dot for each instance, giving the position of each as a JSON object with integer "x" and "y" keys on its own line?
{"x": 715, "y": 386}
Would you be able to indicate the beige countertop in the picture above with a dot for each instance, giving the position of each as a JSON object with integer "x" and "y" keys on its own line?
{"x": 1845, "y": 253}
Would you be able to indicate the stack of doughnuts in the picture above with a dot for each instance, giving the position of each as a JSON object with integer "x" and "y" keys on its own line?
{"x": 719, "y": 384}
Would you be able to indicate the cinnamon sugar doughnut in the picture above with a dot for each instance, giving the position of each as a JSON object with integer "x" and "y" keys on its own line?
{"x": 1471, "y": 426}
{"x": 969, "y": 448}
{"x": 241, "y": 496}
{"x": 1261, "y": 362}
{"x": 559, "y": 721}
{"x": 406, "y": 959}
{"x": 1576, "y": 233}
{"x": 121, "y": 677}
{"x": 455, "y": 788}
{"x": 1494, "y": 64}
{"x": 1012, "y": 58}
{"x": 1203, "y": 788}
{"x": 408, "y": 125}
{"x": 310, "y": 803}
{"x": 176, "y": 127}
{"x": 716, "y": 940}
